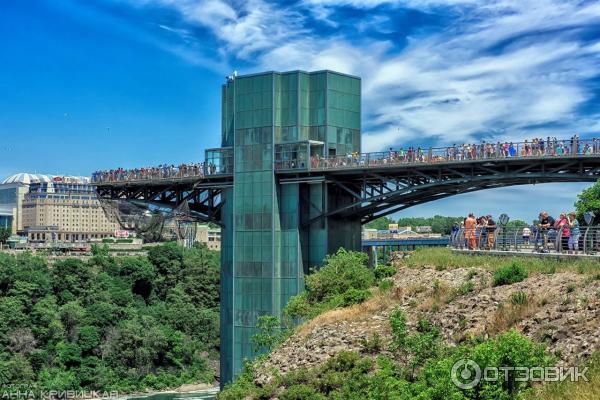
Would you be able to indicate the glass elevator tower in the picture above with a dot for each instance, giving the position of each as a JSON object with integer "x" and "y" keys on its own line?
{"x": 274, "y": 123}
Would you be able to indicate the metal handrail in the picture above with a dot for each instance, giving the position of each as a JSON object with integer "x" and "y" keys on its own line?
{"x": 411, "y": 156}
{"x": 150, "y": 174}
{"x": 542, "y": 241}
{"x": 470, "y": 152}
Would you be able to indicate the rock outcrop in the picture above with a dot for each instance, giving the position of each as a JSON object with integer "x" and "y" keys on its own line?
{"x": 560, "y": 309}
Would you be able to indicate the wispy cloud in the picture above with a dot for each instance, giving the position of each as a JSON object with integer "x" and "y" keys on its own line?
{"x": 490, "y": 69}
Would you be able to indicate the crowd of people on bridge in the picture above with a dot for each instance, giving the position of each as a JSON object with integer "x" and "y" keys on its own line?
{"x": 164, "y": 171}
{"x": 537, "y": 147}
{"x": 480, "y": 232}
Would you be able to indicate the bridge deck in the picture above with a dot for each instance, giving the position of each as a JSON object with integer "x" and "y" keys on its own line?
{"x": 351, "y": 168}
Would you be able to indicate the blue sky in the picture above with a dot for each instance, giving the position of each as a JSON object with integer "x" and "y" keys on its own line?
{"x": 94, "y": 84}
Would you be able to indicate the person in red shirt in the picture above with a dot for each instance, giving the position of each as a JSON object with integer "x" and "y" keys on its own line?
{"x": 562, "y": 225}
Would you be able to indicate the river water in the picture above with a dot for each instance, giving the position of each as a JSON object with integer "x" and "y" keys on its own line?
{"x": 210, "y": 394}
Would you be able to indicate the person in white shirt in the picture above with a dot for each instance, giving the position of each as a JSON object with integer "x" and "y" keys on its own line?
{"x": 526, "y": 235}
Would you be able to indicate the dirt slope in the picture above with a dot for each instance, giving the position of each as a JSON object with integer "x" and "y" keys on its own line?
{"x": 560, "y": 309}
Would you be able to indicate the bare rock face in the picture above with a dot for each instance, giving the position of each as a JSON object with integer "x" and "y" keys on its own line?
{"x": 561, "y": 310}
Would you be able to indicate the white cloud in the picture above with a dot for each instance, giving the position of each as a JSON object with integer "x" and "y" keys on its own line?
{"x": 498, "y": 69}
{"x": 241, "y": 28}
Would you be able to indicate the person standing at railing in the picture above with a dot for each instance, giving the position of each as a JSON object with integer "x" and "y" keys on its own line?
{"x": 526, "y": 235}
{"x": 491, "y": 232}
{"x": 546, "y": 223}
{"x": 575, "y": 233}
{"x": 480, "y": 232}
{"x": 470, "y": 227}
{"x": 562, "y": 226}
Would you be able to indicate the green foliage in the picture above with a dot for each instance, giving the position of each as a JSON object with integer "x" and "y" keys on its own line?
{"x": 343, "y": 280}
{"x": 354, "y": 296}
{"x": 5, "y": 233}
{"x": 443, "y": 258}
{"x": 438, "y": 223}
{"x": 384, "y": 271}
{"x": 509, "y": 274}
{"x": 380, "y": 223}
{"x": 298, "y": 306}
{"x": 465, "y": 288}
{"x": 301, "y": 392}
{"x": 122, "y": 324}
{"x": 340, "y": 272}
{"x": 517, "y": 223}
{"x": 399, "y": 329}
{"x": 386, "y": 284}
{"x": 349, "y": 375}
{"x": 589, "y": 200}
{"x": 518, "y": 298}
{"x": 269, "y": 333}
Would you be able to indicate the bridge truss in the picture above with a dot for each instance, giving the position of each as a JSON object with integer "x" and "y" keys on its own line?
{"x": 376, "y": 191}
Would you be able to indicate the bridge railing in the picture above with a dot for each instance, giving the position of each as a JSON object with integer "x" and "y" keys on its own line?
{"x": 294, "y": 157}
{"x": 558, "y": 241}
{"x": 481, "y": 151}
{"x": 149, "y": 174}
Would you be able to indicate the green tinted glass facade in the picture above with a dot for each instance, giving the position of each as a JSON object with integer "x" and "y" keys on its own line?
{"x": 266, "y": 245}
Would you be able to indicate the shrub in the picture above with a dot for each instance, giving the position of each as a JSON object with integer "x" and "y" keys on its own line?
{"x": 386, "y": 284}
{"x": 343, "y": 361}
{"x": 344, "y": 280}
{"x": 298, "y": 306}
{"x": 384, "y": 271}
{"x": 466, "y": 287}
{"x": 399, "y": 330}
{"x": 341, "y": 271}
{"x": 518, "y": 298}
{"x": 301, "y": 392}
{"x": 268, "y": 333}
{"x": 372, "y": 346}
{"x": 354, "y": 296}
{"x": 509, "y": 274}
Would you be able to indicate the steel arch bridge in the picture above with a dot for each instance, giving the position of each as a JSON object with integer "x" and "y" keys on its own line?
{"x": 329, "y": 199}
{"x": 375, "y": 190}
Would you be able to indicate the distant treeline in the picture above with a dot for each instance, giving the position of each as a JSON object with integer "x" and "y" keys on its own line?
{"x": 439, "y": 223}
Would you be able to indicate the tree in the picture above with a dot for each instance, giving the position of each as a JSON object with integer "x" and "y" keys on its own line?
{"x": 517, "y": 223}
{"x": 380, "y": 223}
{"x": 101, "y": 325}
{"x": 588, "y": 200}
{"x": 341, "y": 271}
{"x": 268, "y": 333}
{"x": 4, "y": 234}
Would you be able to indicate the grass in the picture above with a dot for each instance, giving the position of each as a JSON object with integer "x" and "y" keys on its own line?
{"x": 379, "y": 301}
{"x": 573, "y": 390}
{"x": 519, "y": 307}
{"x": 444, "y": 258}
